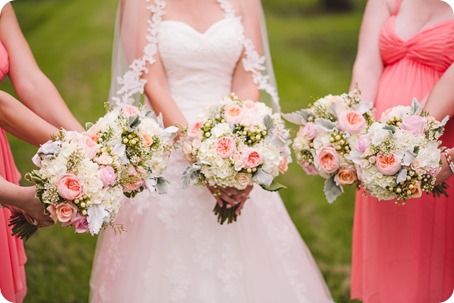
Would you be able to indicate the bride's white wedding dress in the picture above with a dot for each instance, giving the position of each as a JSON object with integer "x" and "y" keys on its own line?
{"x": 174, "y": 250}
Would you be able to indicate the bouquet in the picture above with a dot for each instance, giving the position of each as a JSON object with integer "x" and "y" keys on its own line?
{"x": 236, "y": 143}
{"x": 142, "y": 145}
{"x": 329, "y": 129}
{"x": 399, "y": 157}
{"x": 82, "y": 176}
{"x": 76, "y": 184}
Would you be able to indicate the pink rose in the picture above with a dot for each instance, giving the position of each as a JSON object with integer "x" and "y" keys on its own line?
{"x": 363, "y": 143}
{"x": 130, "y": 110}
{"x": 310, "y": 169}
{"x": 329, "y": 159}
{"x": 108, "y": 176}
{"x": 345, "y": 176}
{"x": 65, "y": 212}
{"x": 283, "y": 165}
{"x": 352, "y": 122}
{"x": 233, "y": 114}
{"x": 413, "y": 124}
{"x": 225, "y": 147}
{"x": 90, "y": 147}
{"x": 195, "y": 130}
{"x": 134, "y": 181}
{"x": 310, "y": 130}
{"x": 80, "y": 223}
{"x": 387, "y": 164}
{"x": 69, "y": 188}
{"x": 52, "y": 212}
{"x": 251, "y": 158}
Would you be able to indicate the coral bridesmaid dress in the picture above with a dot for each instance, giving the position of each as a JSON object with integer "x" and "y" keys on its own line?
{"x": 12, "y": 254}
{"x": 405, "y": 254}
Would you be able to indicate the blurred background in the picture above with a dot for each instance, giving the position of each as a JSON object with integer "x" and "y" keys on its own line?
{"x": 313, "y": 45}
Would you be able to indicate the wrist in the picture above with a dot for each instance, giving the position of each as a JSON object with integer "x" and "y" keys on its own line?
{"x": 447, "y": 152}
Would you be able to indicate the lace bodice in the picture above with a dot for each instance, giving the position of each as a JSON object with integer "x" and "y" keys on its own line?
{"x": 199, "y": 66}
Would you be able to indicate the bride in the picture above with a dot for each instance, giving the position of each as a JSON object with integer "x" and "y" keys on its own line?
{"x": 181, "y": 56}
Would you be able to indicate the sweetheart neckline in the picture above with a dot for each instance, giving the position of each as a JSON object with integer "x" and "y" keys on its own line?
{"x": 208, "y": 30}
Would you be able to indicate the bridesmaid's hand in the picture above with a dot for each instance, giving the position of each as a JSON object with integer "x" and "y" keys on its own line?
{"x": 445, "y": 171}
{"x": 33, "y": 209}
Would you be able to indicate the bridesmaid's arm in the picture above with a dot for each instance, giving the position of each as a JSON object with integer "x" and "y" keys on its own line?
{"x": 439, "y": 104}
{"x": 441, "y": 99}
{"x": 19, "y": 121}
{"x": 368, "y": 65}
{"x": 33, "y": 88}
{"x": 23, "y": 197}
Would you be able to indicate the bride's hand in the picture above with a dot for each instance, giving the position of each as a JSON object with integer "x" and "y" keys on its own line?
{"x": 231, "y": 196}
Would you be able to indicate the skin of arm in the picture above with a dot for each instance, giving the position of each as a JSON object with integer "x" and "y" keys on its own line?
{"x": 368, "y": 65}
{"x": 24, "y": 198}
{"x": 439, "y": 104}
{"x": 33, "y": 88}
{"x": 22, "y": 123}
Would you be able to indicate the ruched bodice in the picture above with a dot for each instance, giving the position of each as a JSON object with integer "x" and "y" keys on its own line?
{"x": 199, "y": 66}
{"x": 433, "y": 46}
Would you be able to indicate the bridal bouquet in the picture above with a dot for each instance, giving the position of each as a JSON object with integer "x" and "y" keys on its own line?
{"x": 142, "y": 145}
{"x": 399, "y": 157}
{"x": 329, "y": 129}
{"x": 76, "y": 183}
{"x": 236, "y": 143}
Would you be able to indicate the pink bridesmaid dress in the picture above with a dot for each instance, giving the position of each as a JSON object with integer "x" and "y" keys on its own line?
{"x": 405, "y": 254}
{"x": 12, "y": 255}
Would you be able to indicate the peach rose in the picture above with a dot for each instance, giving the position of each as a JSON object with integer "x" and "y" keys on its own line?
{"x": 310, "y": 130}
{"x": 233, "y": 114}
{"x": 130, "y": 110}
{"x": 249, "y": 104}
{"x": 387, "y": 164}
{"x": 242, "y": 180}
{"x": 329, "y": 159}
{"x": 65, "y": 212}
{"x": 416, "y": 192}
{"x": 195, "y": 130}
{"x": 352, "y": 122}
{"x": 134, "y": 181}
{"x": 413, "y": 124}
{"x": 283, "y": 165}
{"x": 69, "y": 188}
{"x": 251, "y": 158}
{"x": 225, "y": 147}
{"x": 52, "y": 212}
{"x": 345, "y": 176}
{"x": 147, "y": 140}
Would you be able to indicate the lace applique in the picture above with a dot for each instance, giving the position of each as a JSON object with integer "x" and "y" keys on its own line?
{"x": 230, "y": 272}
{"x": 131, "y": 82}
{"x": 177, "y": 275}
{"x": 229, "y": 12}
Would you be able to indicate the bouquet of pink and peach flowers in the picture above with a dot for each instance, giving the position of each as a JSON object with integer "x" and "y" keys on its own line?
{"x": 399, "y": 156}
{"x": 236, "y": 143}
{"x": 329, "y": 129}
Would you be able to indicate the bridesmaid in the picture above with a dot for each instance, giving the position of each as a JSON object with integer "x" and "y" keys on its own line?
{"x": 38, "y": 93}
{"x": 403, "y": 254}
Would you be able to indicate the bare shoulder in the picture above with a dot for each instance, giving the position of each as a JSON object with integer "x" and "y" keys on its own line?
{"x": 243, "y": 7}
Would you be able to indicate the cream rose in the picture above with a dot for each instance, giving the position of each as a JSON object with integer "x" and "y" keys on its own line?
{"x": 242, "y": 181}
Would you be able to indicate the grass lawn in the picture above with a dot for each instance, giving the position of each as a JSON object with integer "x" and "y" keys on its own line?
{"x": 312, "y": 56}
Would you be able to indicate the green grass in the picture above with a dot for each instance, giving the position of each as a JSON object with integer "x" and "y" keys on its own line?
{"x": 312, "y": 56}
